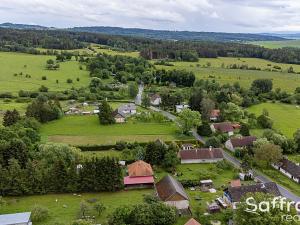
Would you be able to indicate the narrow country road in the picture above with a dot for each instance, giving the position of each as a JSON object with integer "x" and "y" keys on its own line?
{"x": 138, "y": 99}
{"x": 259, "y": 176}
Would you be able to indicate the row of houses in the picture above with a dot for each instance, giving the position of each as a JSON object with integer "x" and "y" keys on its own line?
{"x": 289, "y": 169}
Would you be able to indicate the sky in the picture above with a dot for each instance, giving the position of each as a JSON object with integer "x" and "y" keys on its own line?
{"x": 253, "y": 16}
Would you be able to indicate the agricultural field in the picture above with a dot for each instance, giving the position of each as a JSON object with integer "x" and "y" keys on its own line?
{"x": 34, "y": 65}
{"x": 66, "y": 208}
{"x": 278, "y": 44}
{"x": 286, "y": 117}
{"x": 83, "y": 130}
{"x": 216, "y": 71}
{"x": 109, "y": 51}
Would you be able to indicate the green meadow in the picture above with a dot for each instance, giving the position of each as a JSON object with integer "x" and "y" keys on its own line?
{"x": 34, "y": 65}
{"x": 83, "y": 130}
{"x": 278, "y": 44}
{"x": 286, "y": 117}
{"x": 216, "y": 71}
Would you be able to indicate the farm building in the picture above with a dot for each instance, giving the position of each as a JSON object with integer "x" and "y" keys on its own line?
{"x": 140, "y": 175}
{"x": 225, "y": 127}
{"x": 179, "y": 108}
{"x": 239, "y": 142}
{"x": 214, "y": 115}
{"x": 233, "y": 195}
{"x": 170, "y": 191}
{"x": 201, "y": 155}
{"x": 155, "y": 100}
{"x": 127, "y": 109}
{"x": 289, "y": 168}
{"x": 187, "y": 146}
{"x": 16, "y": 219}
{"x": 119, "y": 117}
{"x": 192, "y": 221}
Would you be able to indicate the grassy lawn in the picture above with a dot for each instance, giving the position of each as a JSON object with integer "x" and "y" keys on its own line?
{"x": 108, "y": 153}
{"x": 295, "y": 158}
{"x": 284, "y": 80}
{"x": 286, "y": 117}
{"x": 66, "y": 208}
{"x": 12, "y": 63}
{"x": 82, "y": 130}
{"x": 278, "y": 44}
{"x": 109, "y": 51}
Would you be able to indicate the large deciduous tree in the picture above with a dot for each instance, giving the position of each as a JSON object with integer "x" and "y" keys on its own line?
{"x": 188, "y": 119}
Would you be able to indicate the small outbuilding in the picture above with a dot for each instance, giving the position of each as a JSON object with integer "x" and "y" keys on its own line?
{"x": 172, "y": 193}
{"x": 205, "y": 185}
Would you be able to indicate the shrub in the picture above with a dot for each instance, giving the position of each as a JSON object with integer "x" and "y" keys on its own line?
{"x": 69, "y": 81}
{"x": 204, "y": 130}
{"x": 44, "y": 78}
{"x": 224, "y": 165}
{"x": 39, "y": 213}
{"x": 43, "y": 89}
{"x": 6, "y": 95}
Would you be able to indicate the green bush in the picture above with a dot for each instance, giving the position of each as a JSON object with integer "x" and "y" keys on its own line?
{"x": 39, "y": 213}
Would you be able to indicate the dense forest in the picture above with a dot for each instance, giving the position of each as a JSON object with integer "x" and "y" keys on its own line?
{"x": 27, "y": 40}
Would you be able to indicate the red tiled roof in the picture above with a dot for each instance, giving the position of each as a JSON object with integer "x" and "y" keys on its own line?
{"x": 202, "y": 153}
{"x": 138, "y": 180}
{"x": 242, "y": 141}
{"x": 235, "y": 183}
{"x": 139, "y": 169}
{"x": 223, "y": 127}
{"x": 192, "y": 222}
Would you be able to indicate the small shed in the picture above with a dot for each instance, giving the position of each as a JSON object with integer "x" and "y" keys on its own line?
{"x": 205, "y": 185}
{"x": 213, "y": 208}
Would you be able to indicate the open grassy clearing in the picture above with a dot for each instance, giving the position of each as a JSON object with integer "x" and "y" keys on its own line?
{"x": 109, "y": 51}
{"x": 286, "y": 117}
{"x": 278, "y": 44}
{"x": 99, "y": 154}
{"x": 34, "y": 65}
{"x": 64, "y": 215}
{"x": 82, "y": 130}
{"x": 283, "y": 80}
{"x": 295, "y": 158}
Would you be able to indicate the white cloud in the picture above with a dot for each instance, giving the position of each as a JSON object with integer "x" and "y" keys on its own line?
{"x": 210, "y": 15}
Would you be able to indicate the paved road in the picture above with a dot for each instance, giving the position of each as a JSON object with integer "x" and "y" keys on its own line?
{"x": 259, "y": 176}
{"x": 138, "y": 99}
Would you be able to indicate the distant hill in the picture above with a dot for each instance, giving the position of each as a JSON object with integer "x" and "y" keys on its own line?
{"x": 178, "y": 35}
{"x": 286, "y": 35}
{"x": 158, "y": 34}
{"x": 23, "y": 26}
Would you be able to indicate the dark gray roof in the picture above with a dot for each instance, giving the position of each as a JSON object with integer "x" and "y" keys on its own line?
{"x": 236, "y": 193}
{"x": 168, "y": 186}
{"x": 291, "y": 167}
{"x": 17, "y": 218}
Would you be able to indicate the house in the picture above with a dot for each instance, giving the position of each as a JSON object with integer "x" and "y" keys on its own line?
{"x": 233, "y": 195}
{"x": 239, "y": 142}
{"x": 16, "y": 219}
{"x": 289, "y": 168}
{"x": 214, "y": 115}
{"x": 128, "y": 109}
{"x": 201, "y": 155}
{"x": 179, "y": 108}
{"x": 140, "y": 175}
{"x": 119, "y": 117}
{"x": 187, "y": 146}
{"x": 192, "y": 221}
{"x": 155, "y": 100}
{"x": 172, "y": 193}
{"x": 205, "y": 185}
{"x": 225, "y": 127}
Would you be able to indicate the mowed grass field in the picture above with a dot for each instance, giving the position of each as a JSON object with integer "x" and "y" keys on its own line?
{"x": 278, "y": 44}
{"x": 34, "y": 65}
{"x": 83, "y": 130}
{"x": 283, "y": 80}
{"x": 286, "y": 117}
